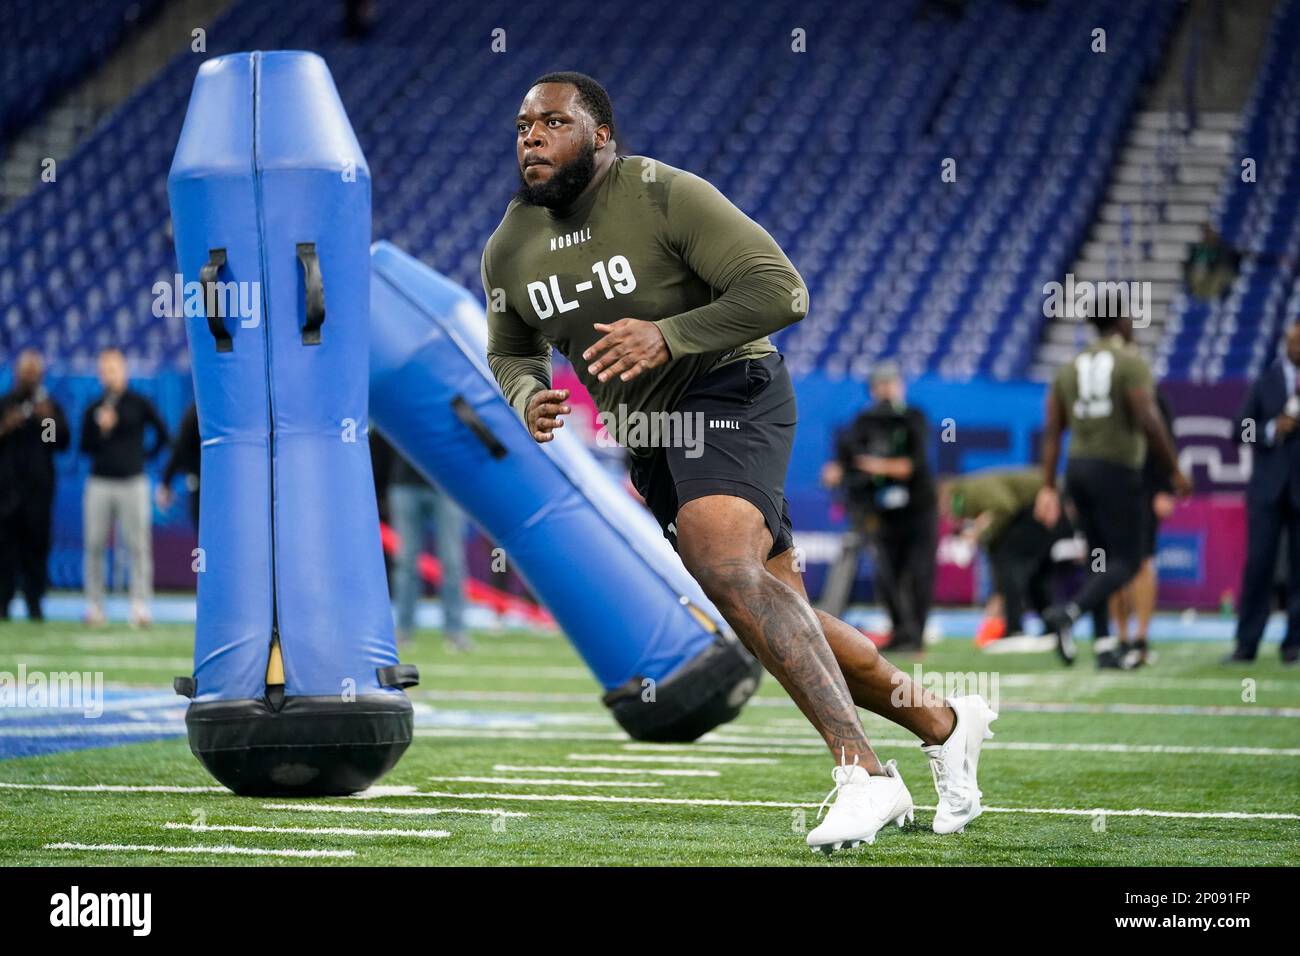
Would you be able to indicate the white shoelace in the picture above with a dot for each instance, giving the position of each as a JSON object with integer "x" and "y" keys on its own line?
{"x": 959, "y": 796}
{"x": 840, "y": 775}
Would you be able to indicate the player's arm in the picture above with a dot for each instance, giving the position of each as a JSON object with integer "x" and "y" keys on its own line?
{"x": 1141, "y": 400}
{"x": 520, "y": 360}
{"x": 1047, "y": 503}
{"x": 759, "y": 290}
{"x": 996, "y": 516}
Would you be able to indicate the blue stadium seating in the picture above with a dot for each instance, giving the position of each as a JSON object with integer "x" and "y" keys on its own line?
{"x": 46, "y": 45}
{"x": 838, "y": 151}
{"x": 1238, "y": 335}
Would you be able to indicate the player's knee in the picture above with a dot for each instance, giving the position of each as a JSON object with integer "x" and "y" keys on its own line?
{"x": 728, "y": 584}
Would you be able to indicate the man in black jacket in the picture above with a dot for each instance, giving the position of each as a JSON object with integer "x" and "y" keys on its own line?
{"x": 1272, "y": 411}
{"x": 185, "y": 459}
{"x": 32, "y": 429}
{"x": 112, "y": 433}
{"x": 881, "y": 461}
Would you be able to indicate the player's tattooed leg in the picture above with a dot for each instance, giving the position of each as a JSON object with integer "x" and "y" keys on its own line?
{"x": 722, "y": 541}
{"x": 875, "y": 684}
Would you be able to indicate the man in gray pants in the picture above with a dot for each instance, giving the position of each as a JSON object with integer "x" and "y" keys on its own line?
{"x": 112, "y": 434}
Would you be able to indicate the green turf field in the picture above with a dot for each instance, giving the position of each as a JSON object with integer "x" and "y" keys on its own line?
{"x": 516, "y": 762}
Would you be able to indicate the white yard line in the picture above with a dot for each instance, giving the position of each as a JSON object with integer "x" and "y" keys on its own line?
{"x": 718, "y": 744}
{"x": 407, "y": 811}
{"x": 781, "y": 746}
{"x": 312, "y": 831}
{"x": 518, "y": 734}
{"x": 626, "y": 771}
{"x": 91, "y": 662}
{"x": 90, "y": 727}
{"x": 1074, "y": 681}
{"x": 503, "y": 696}
{"x": 681, "y": 801}
{"x": 507, "y": 672}
{"x": 110, "y": 788}
{"x": 549, "y": 782}
{"x": 1163, "y": 710}
{"x": 667, "y": 758}
{"x": 198, "y": 850}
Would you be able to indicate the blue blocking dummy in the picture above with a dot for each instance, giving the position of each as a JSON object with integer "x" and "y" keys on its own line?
{"x": 297, "y": 687}
{"x": 670, "y": 668}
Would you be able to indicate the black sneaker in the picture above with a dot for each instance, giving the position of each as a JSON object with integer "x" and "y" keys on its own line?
{"x": 1238, "y": 657}
{"x": 1134, "y": 656}
{"x": 1109, "y": 661}
{"x": 1055, "y": 620}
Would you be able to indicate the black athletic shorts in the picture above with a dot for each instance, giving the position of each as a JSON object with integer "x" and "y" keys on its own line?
{"x": 1150, "y": 526}
{"x": 1111, "y": 504}
{"x": 745, "y": 414}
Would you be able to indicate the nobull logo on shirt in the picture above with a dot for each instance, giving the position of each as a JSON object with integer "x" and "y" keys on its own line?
{"x": 131, "y": 910}
{"x": 570, "y": 239}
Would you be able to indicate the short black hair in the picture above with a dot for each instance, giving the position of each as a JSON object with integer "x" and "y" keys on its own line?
{"x": 593, "y": 96}
{"x": 1105, "y": 322}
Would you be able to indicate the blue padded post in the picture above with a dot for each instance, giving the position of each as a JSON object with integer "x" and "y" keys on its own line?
{"x": 296, "y": 685}
{"x": 670, "y": 669}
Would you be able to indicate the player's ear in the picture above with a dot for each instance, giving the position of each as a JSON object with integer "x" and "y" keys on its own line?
{"x": 602, "y": 136}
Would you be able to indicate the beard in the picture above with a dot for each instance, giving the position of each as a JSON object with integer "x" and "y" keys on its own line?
{"x": 565, "y": 184}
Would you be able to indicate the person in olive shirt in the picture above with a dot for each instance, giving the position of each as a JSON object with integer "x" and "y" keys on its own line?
{"x": 112, "y": 434}
{"x": 1106, "y": 399}
{"x": 661, "y": 294}
{"x": 1138, "y": 597}
{"x": 999, "y": 503}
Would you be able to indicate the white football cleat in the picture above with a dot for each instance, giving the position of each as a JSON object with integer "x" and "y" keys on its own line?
{"x": 863, "y": 805}
{"x": 954, "y": 764}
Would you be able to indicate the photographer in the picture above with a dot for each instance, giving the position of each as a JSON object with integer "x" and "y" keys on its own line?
{"x": 881, "y": 464}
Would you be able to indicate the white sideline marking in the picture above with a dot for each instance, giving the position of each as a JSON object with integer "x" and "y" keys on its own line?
{"x": 385, "y": 790}
{"x": 711, "y": 743}
{"x": 518, "y": 734}
{"x": 627, "y": 771}
{"x": 506, "y": 672}
{"x": 94, "y": 662}
{"x": 550, "y": 782}
{"x": 682, "y": 801}
{"x": 1029, "y": 680}
{"x": 410, "y": 811}
{"x": 666, "y": 758}
{"x": 210, "y": 850}
{"x": 504, "y": 696}
{"x": 1165, "y": 710}
{"x": 90, "y": 727}
{"x": 1110, "y": 682}
{"x": 111, "y": 788}
{"x": 315, "y": 831}
{"x": 785, "y": 747}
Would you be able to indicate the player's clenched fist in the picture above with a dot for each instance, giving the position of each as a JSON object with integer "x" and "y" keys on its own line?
{"x": 542, "y": 416}
{"x": 628, "y": 348}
